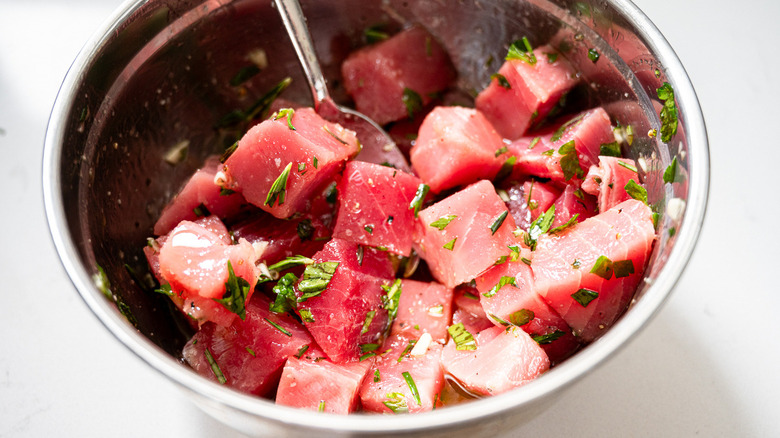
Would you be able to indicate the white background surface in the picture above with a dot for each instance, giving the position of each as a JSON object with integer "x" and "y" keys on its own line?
{"x": 708, "y": 365}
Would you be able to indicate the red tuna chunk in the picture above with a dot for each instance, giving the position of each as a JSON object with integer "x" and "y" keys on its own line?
{"x": 386, "y": 383}
{"x": 573, "y": 202}
{"x": 455, "y": 146}
{"x": 468, "y": 310}
{"x": 385, "y": 78}
{"x": 465, "y": 245}
{"x": 588, "y": 130}
{"x": 504, "y": 359}
{"x": 276, "y": 239}
{"x": 199, "y": 190}
{"x": 249, "y": 354}
{"x": 194, "y": 261}
{"x": 608, "y": 180}
{"x": 529, "y": 200}
{"x": 352, "y": 298}
{"x": 563, "y": 262}
{"x": 517, "y": 303}
{"x": 312, "y": 153}
{"x": 423, "y": 308}
{"x": 533, "y": 91}
{"x": 374, "y": 207}
{"x": 321, "y": 385}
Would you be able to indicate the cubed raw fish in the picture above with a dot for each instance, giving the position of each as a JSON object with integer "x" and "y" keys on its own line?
{"x": 504, "y": 359}
{"x": 374, "y": 207}
{"x": 456, "y": 146}
{"x": 321, "y": 385}
{"x": 572, "y": 202}
{"x": 277, "y": 239}
{"x": 349, "y": 311}
{"x": 249, "y": 354}
{"x": 194, "y": 261}
{"x": 424, "y": 307}
{"x": 199, "y": 191}
{"x": 608, "y": 180}
{"x": 386, "y": 384}
{"x": 386, "y": 79}
{"x": 540, "y": 155}
{"x": 468, "y": 310}
{"x": 533, "y": 91}
{"x": 563, "y": 262}
{"x": 475, "y": 237}
{"x": 315, "y": 151}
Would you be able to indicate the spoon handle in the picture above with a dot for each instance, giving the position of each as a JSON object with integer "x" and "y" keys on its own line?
{"x": 294, "y": 21}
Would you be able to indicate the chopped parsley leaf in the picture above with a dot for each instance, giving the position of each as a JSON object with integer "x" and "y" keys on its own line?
{"x": 301, "y": 351}
{"x": 419, "y": 198}
{"x": 623, "y": 268}
{"x": 369, "y": 229}
{"x": 668, "y": 113}
{"x": 548, "y": 338}
{"x": 285, "y": 294}
{"x": 562, "y": 129}
{"x": 367, "y": 322}
{"x": 534, "y": 142}
{"x": 442, "y": 222}
{"x": 521, "y": 50}
{"x": 250, "y": 351}
{"x": 449, "y": 245}
{"x": 305, "y": 230}
{"x": 585, "y": 296}
{"x": 503, "y": 281}
{"x": 570, "y": 162}
{"x": 610, "y": 149}
{"x": 463, "y": 339}
{"x": 278, "y": 188}
{"x": 396, "y": 402}
{"x": 628, "y": 166}
{"x": 226, "y": 192}
{"x": 506, "y": 168}
{"x": 391, "y": 298}
{"x": 671, "y": 175}
{"x": 501, "y": 80}
{"x": 288, "y": 113}
{"x": 236, "y": 290}
{"x": 412, "y": 101}
{"x": 291, "y": 262}
{"x": 498, "y": 221}
{"x": 551, "y": 57}
{"x": 569, "y": 223}
{"x": 165, "y": 289}
{"x": 636, "y": 191}
{"x": 603, "y": 267}
{"x": 502, "y": 150}
{"x": 538, "y": 227}
{"x": 377, "y": 376}
{"x": 201, "y": 211}
{"x": 593, "y": 55}
{"x": 315, "y": 279}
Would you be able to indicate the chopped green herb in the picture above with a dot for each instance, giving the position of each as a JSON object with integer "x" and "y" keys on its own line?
{"x": 305, "y": 229}
{"x": 521, "y": 317}
{"x": 623, "y": 268}
{"x": 278, "y": 188}
{"x": 259, "y": 108}
{"x": 364, "y": 348}
{"x": 672, "y": 231}
{"x": 521, "y": 50}
{"x": 470, "y": 295}
{"x": 301, "y": 168}
{"x": 548, "y": 338}
{"x": 315, "y": 279}
{"x": 412, "y": 101}
{"x": 502, "y": 150}
{"x": 201, "y": 211}
{"x": 525, "y": 260}
{"x": 407, "y": 350}
{"x": 412, "y": 387}
{"x": 369, "y": 229}
{"x": 628, "y": 166}
{"x": 278, "y": 327}
{"x": 244, "y": 75}
{"x": 498, "y": 221}
{"x": 569, "y": 223}
{"x": 365, "y": 356}
{"x": 551, "y": 57}
{"x": 214, "y": 366}
{"x": 250, "y": 351}
{"x": 391, "y": 298}
{"x": 332, "y": 134}
{"x": 301, "y": 351}
{"x": 636, "y": 191}
{"x": 321, "y": 407}
{"x": 450, "y": 245}
{"x": 570, "y": 162}
{"x": 506, "y": 168}
{"x": 442, "y": 222}
{"x": 236, "y": 291}
{"x": 226, "y": 192}
{"x": 396, "y": 402}
{"x": 610, "y": 149}
{"x": 291, "y": 262}
{"x": 603, "y": 267}
{"x": 228, "y": 152}
{"x": 538, "y": 227}
{"x": 375, "y": 34}
{"x": 288, "y": 113}
{"x": 285, "y": 294}
{"x": 558, "y": 134}
{"x": 419, "y": 198}
{"x": 306, "y": 315}
{"x": 165, "y": 289}
{"x": 548, "y": 152}
{"x": 585, "y": 296}
{"x": 593, "y": 55}
{"x": 463, "y": 339}
{"x": 367, "y": 322}
{"x": 671, "y": 175}
{"x": 534, "y": 142}
{"x": 377, "y": 376}
{"x": 503, "y": 281}
{"x": 315, "y": 162}
{"x": 576, "y": 264}
{"x": 501, "y": 79}
{"x": 331, "y": 193}
{"x": 668, "y": 112}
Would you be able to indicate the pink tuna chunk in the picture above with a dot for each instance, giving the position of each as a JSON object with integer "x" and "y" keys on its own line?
{"x": 533, "y": 91}
{"x": 455, "y": 146}
{"x": 588, "y": 130}
{"x": 608, "y": 180}
{"x": 468, "y": 310}
{"x": 249, "y": 354}
{"x": 194, "y": 261}
{"x": 504, "y": 359}
{"x": 321, "y": 385}
{"x": 423, "y": 308}
{"x": 562, "y": 265}
{"x": 377, "y": 76}
{"x": 268, "y": 148}
{"x": 351, "y": 300}
{"x": 278, "y": 239}
{"x": 199, "y": 190}
{"x": 573, "y": 202}
{"x": 466, "y": 246}
{"x": 374, "y": 207}
{"x": 386, "y": 384}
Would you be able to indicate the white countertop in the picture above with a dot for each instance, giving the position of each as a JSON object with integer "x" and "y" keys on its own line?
{"x": 707, "y": 365}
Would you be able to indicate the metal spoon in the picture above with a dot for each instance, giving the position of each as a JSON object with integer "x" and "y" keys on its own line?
{"x": 378, "y": 146}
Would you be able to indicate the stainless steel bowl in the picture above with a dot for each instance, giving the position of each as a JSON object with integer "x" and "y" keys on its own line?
{"x": 157, "y": 75}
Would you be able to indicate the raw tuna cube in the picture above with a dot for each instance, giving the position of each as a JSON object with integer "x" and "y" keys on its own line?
{"x": 374, "y": 207}
{"x": 388, "y": 80}
{"x": 321, "y": 385}
{"x": 529, "y": 199}
{"x": 348, "y": 312}
{"x": 423, "y": 308}
{"x": 504, "y": 359}
{"x": 465, "y": 233}
{"x": 456, "y": 146}
{"x": 532, "y": 92}
{"x": 249, "y": 354}
{"x": 608, "y": 180}
{"x": 520, "y": 305}
{"x": 544, "y": 155}
{"x": 277, "y": 239}
{"x": 468, "y": 310}
{"x": 573, "y": 201}
{"x": 309, "y": 155}
{"x": 199, "y": 191}
{"x": 388, "y": 389}
{"x": 563, "y": 262}
{"x": 194, "y": 261}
